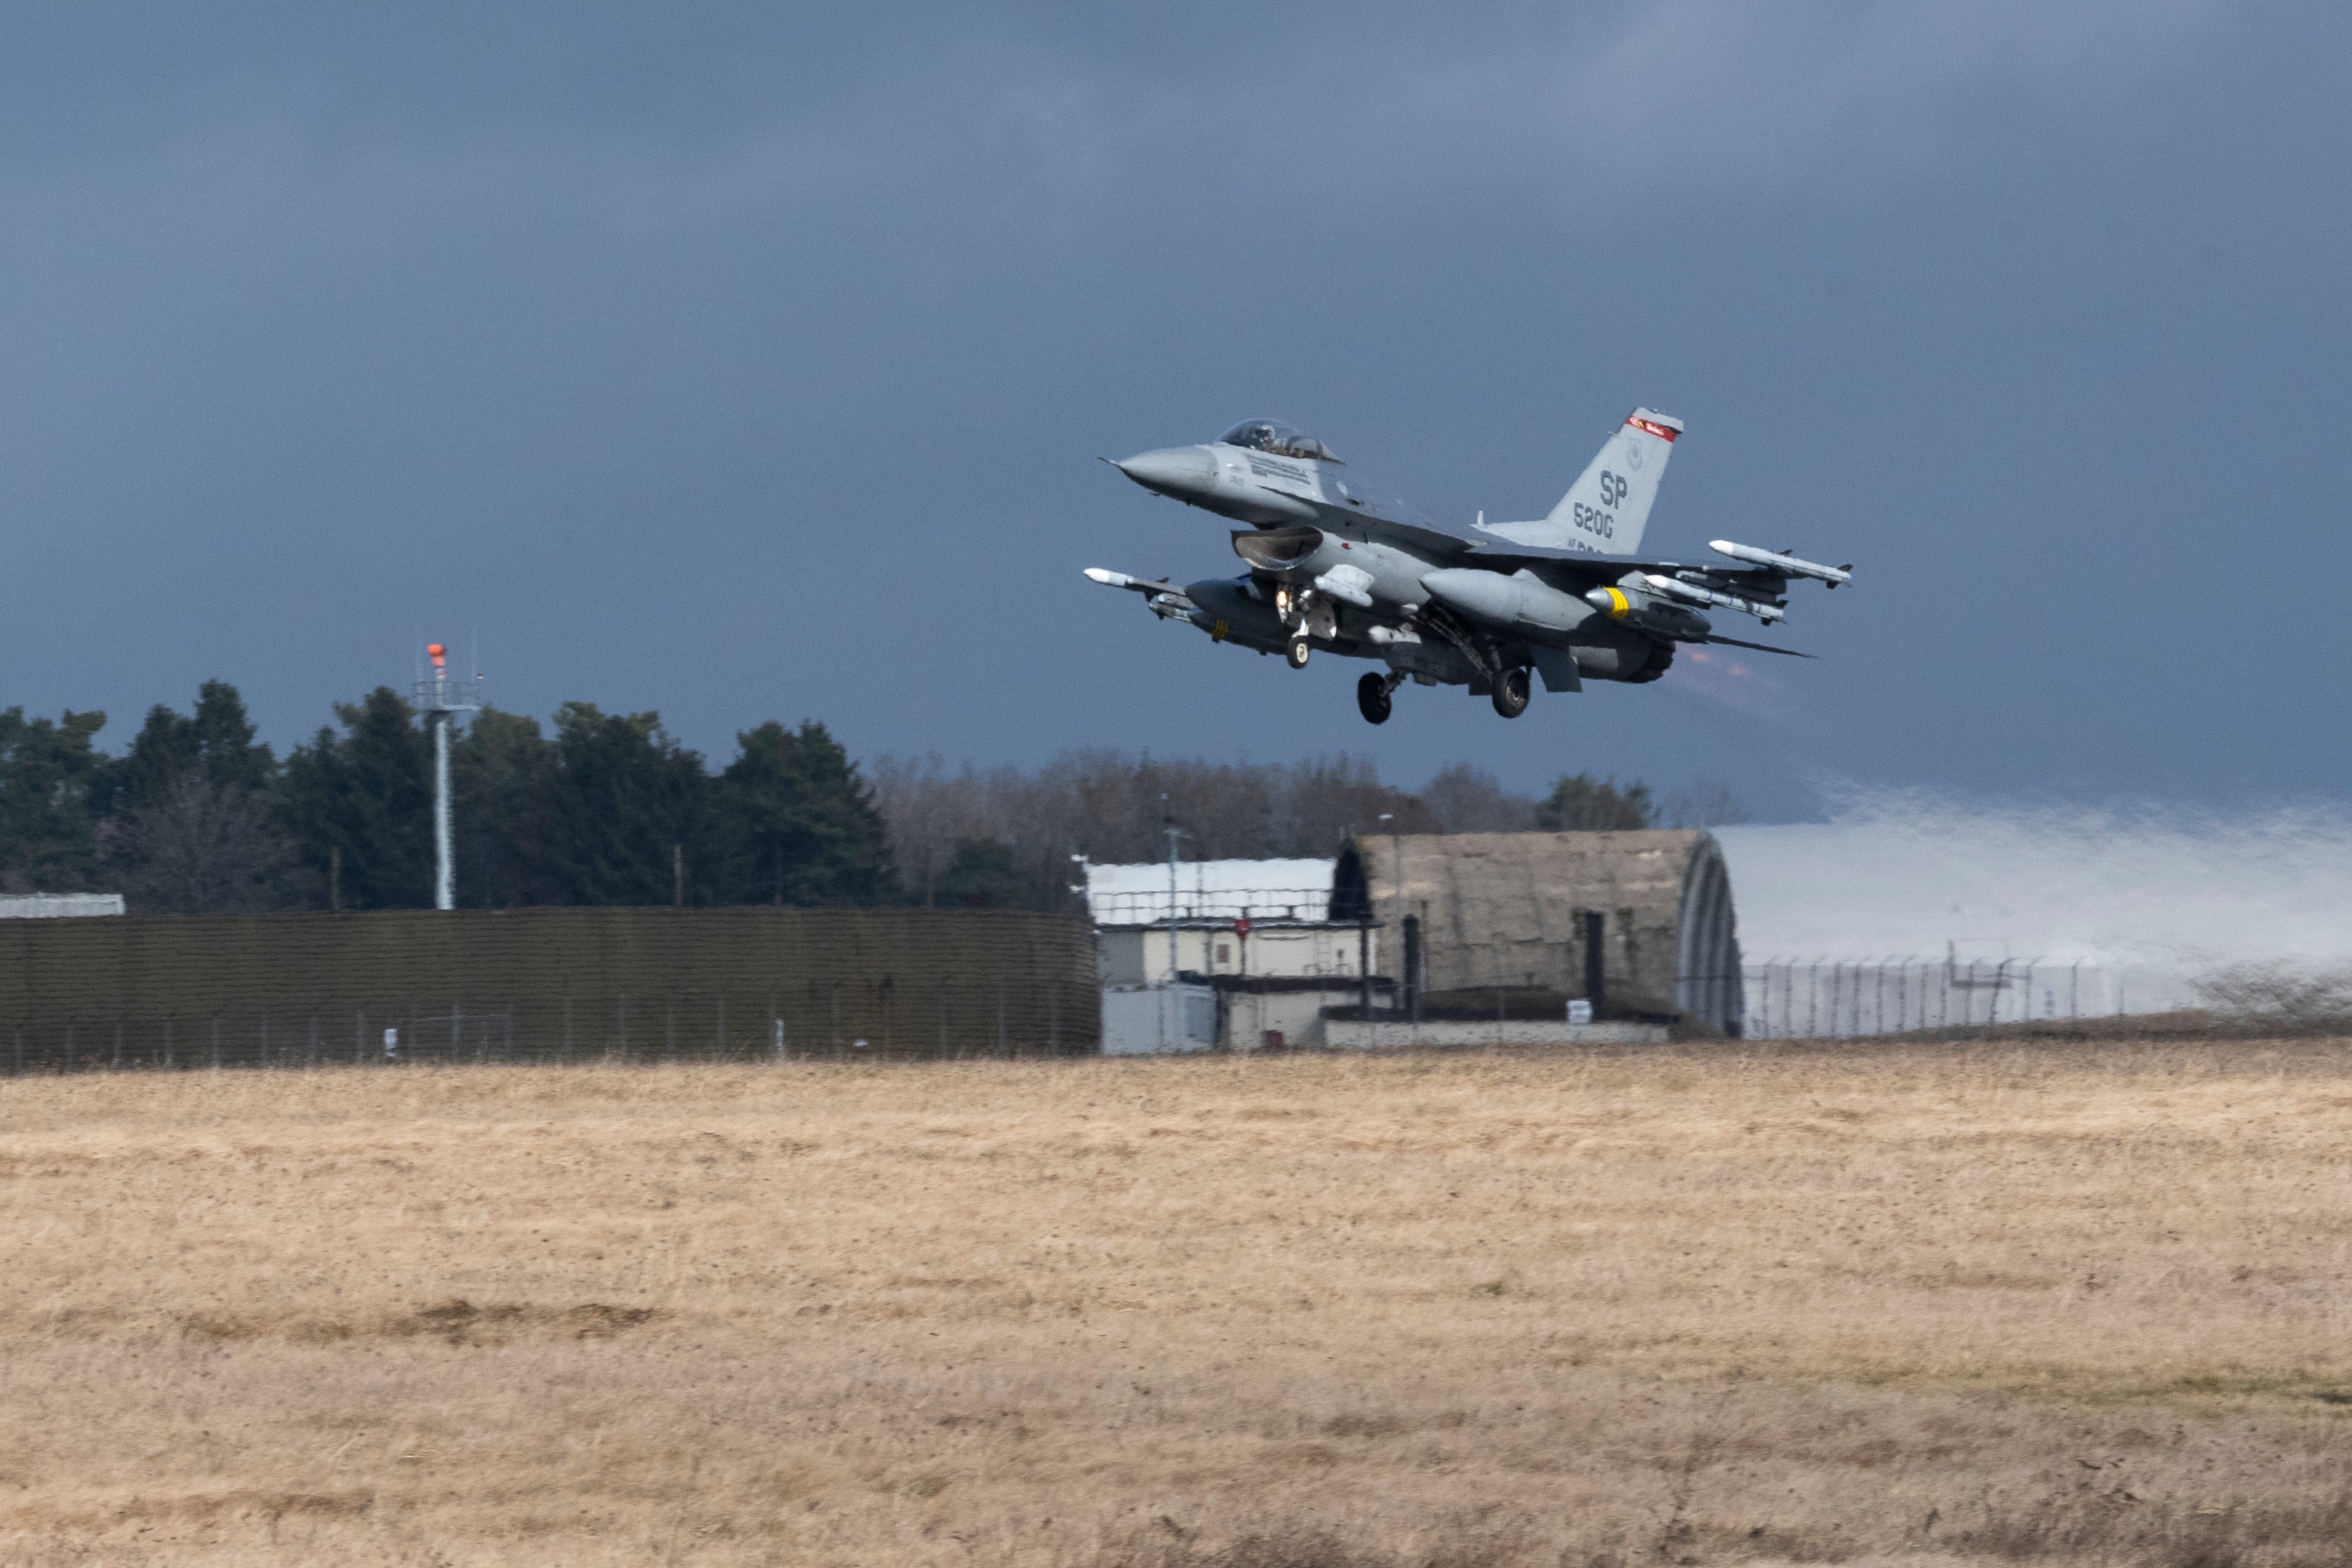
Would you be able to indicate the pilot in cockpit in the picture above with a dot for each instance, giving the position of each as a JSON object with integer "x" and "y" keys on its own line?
{"x": 1280, "y": 440}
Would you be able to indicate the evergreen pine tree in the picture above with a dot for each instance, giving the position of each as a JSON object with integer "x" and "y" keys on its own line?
{"x": 622, "y": 798}
{"x": 190, "y": 825}
{"x": 797, "y": 824}
{"x": 982, "y": 875}
{"x": 502, "y": 773}
{"x": 47, "y": 832}
{"x": 367, "y": 791}
{"x": 1580, "y": 802}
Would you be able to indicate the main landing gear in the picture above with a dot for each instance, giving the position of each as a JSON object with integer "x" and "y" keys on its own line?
{"x": 1372, "y": 697}
{"x": 1511, "y": 692}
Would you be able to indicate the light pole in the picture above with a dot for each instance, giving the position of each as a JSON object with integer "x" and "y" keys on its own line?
{"x": 442, "y": 699}
{"x": 1174, "y": 996}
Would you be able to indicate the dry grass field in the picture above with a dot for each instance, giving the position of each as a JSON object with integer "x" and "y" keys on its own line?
{"x": 1917, "y": 1305}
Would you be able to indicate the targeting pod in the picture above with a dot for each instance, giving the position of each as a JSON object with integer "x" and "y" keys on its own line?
{"x": 1788, "y": 565}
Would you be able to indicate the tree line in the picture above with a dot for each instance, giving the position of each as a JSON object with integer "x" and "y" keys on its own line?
{"x": 199, "y": 817}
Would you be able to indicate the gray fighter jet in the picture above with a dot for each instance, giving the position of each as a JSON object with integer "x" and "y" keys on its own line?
{"x": 1337, "y": 564}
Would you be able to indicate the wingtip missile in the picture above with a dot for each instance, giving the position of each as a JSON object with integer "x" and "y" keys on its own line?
{"x": 1787, "y": 564}
{"x": 1158, "y": 587}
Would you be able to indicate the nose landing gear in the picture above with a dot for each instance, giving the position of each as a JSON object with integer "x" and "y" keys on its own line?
{"x": 1305, "y": 613}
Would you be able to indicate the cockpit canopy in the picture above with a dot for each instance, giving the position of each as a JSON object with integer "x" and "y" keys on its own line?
{"x": 1282, "y": 440}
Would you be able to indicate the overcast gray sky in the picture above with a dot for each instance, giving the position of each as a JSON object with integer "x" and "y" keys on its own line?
{"x": 749, "y": 362}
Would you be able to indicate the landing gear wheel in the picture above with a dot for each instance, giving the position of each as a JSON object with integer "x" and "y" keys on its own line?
{"x": 1372, "y": 700}
{"x": 1296, "y": 652}
{"x": 1511, "y": 693}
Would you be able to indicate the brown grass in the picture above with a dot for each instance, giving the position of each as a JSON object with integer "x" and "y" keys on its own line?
{"x": 1926, "y": 1305}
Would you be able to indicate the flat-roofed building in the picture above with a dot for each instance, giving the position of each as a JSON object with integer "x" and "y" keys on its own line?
{"x": 1239, "y": 953}
{"x": 58, "y": 906}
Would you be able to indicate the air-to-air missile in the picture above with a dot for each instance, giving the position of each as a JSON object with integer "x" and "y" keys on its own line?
{"x": 1788, "y": 565}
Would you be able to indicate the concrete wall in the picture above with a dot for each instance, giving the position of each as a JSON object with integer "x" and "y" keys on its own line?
{"x": 1504, "y": 910}
{"x": 1345, "y": 1035}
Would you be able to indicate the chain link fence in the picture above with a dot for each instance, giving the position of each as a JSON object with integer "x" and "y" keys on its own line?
{"x": 1801, "y": 999}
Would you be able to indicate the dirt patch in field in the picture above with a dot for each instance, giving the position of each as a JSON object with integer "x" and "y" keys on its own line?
{"x": 455, "y": 1321}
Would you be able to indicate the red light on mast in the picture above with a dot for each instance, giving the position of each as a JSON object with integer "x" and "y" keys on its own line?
{"x": 440, "y": 654}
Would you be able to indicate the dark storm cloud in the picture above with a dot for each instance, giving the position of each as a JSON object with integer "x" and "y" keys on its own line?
{"x": 746, "y": 362}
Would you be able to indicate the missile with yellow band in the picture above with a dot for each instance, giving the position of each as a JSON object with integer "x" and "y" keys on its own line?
{"x": 1611, "y": 601}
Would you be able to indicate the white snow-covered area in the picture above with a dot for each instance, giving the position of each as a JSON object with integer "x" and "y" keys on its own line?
{"x": 1927, "y": 879}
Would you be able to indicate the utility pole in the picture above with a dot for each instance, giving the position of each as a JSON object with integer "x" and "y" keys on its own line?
{"x": 442, "y": 699}
{"x": 1396, "y": 847}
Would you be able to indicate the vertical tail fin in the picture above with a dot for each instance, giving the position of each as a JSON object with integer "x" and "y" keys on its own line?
{"x": 1607, "y": 509}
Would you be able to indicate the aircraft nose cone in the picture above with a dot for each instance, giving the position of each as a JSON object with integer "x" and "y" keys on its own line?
{"x": 1173, "y": 470}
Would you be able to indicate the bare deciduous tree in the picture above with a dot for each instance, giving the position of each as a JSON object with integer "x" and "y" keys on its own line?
{"x": 1466, "y": 798}
{"x": 200, "y": 847}
{"x": 1704, "y": 804}
{"x": 1112, "y": 807}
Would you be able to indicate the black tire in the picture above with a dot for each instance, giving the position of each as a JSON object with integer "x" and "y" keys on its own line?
{"x": 1372, "y": 698}
{"x": 1296, "y": 651}
{"x": 1511, "y": 693}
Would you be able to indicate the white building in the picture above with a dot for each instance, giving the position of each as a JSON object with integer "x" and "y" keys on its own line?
{"x": 1235, "y": 953}
{"x": 58, "y": 906}
{"x": 1267, "y": 918}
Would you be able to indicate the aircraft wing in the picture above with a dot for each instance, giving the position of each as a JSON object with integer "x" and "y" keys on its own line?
{"x": 1754, "y": 579}
{"x": 1394, "y": 521}
{"x": 1499, "y": 550}
{"x": 1417, "y": 532}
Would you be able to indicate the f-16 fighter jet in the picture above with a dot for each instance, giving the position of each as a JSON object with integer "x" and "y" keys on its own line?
{"x": 1340, "y": 564}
